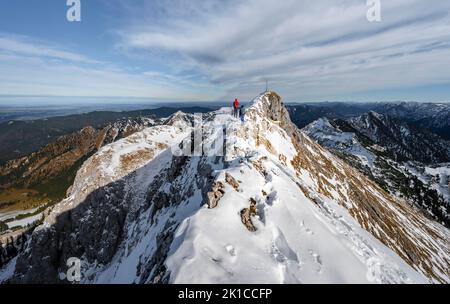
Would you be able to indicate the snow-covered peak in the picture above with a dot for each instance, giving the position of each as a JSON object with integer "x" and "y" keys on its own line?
{"x": 319, "y": 125}
{"x": 270, "y": 105}
{"x": 180, "y": 120}
{"x": 276, "y": 208}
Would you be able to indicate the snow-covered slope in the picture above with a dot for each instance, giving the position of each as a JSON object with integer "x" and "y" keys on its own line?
{"x": 403, "y": 140}
{"x": 275, "y": 208}
{"x": 329, "y": 136}
{"x": 392, "y": 154}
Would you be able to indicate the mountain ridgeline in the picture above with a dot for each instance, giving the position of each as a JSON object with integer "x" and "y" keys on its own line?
{"x": 21, "y": 138}
{"x": 405, "y": 141}
{"x": 59, "y": 147}
{"x": 411, "y": 163}
{"x": 269, "y": 206}
{"x": 433, "y": 117}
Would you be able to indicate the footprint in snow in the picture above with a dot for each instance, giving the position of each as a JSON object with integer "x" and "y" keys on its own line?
{"x": 262, "y": 209}
{"x": 211, "y": 255}
{"x": 231, "y": 250}
{"x": 218, "y": 261}
{"x": 281, "y": 250}
{"x": 305, "y": 228}
{"x": 289, "y": 262}
{"x": 272, "y": 198}
{"x": 317, "y": 259}
{"x": 268, "y": 188}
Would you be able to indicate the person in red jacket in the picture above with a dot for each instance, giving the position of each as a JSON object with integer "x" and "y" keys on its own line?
{"x": 235, "y": 107}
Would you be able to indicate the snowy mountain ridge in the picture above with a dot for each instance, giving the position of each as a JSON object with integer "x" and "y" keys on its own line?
{"x": 275, "y": 208}
{"x": 392, "y": 153}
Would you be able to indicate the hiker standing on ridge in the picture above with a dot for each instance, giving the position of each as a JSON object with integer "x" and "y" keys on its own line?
{"x": 235, "y": 108}
{"x": 241, "y": 113}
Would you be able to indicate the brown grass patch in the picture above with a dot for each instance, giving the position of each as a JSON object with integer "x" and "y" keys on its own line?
{"x": 130, "y": 160}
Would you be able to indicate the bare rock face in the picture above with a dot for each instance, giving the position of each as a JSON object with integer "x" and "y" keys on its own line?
{"x": 231, "y": 181}
{"x": 246, "y": 215}
{"x": 274, "y": 109}
{"x": 93, "y": 230}
{"x": 214, "y": 196}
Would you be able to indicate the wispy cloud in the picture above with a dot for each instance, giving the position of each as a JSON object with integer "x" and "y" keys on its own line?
{"x": 31, "y": 67}
{"x": 219, "y": 49}
{"x": 309, "y": 49}
{"x": 25, "y": 46}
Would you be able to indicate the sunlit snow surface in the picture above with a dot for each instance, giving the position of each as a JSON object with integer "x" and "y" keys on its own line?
{"x": 342, "y": 141}
{"x": 296, "y": 241}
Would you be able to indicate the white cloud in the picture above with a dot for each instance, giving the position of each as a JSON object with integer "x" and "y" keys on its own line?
{"x": 309, "y": 49}
{"x": 21, "y": 45}
{"x": 29, "y": 67}
{"x": 217, "y": 49}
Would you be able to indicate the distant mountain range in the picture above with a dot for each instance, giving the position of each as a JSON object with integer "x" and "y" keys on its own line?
{"x": 409, "y": 162}
{"x": 434, "y": 117}
{"x": 20, "y": 138}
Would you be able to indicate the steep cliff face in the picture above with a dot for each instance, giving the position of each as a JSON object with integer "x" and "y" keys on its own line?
{"x": 270, "y": 206}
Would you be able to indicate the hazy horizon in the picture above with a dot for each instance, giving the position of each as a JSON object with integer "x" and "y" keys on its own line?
{"x": 20, "y": 101}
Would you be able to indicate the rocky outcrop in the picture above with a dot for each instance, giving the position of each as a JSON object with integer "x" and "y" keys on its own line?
{"x": 92, "y": 230}
{"x": 272, "y": 107}
{"x": 216, "y": 193}
{"x": 231, "y": 181}
{"x": 180, "y": 120}
{"x": 92, "y": 222}
{"x": 247, "y": 214}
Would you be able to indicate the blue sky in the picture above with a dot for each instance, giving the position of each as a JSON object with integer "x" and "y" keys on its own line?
{"x": 216, "y": 50}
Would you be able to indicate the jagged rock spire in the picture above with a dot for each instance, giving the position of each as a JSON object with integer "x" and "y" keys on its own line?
{"x": 271, "y": 106}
